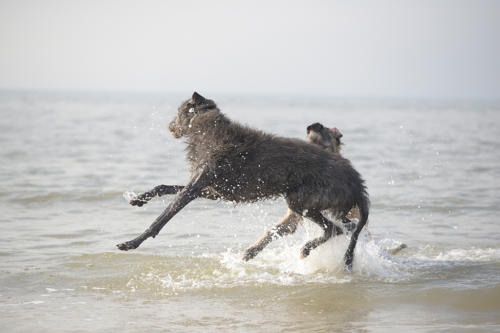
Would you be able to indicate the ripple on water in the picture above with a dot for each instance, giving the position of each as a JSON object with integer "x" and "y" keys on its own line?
{"x": 27, "y": 198}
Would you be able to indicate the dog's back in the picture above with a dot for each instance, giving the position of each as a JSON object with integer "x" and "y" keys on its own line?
{"x": 250, "y": 165}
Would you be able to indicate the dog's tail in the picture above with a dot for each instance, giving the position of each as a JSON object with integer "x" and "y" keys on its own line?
{"x": 364, "y": 208}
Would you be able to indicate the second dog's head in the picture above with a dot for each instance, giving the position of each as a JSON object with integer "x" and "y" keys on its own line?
{"x": 328, "y": 138}
{"x": 187, "y": 112}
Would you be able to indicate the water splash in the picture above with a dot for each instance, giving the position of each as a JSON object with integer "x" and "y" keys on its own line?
{"x": 130, "y": 195}
{"x": 278, "y": 265}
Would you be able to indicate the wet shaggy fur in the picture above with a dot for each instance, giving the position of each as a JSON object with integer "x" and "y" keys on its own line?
{"x": 242, "y": 164}
{"x": 328, "y": 139}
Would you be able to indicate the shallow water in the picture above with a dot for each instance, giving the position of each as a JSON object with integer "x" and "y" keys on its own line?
{"x": 70, "y": 160}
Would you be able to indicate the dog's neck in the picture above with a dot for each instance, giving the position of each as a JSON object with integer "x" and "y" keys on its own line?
{"x": 209, "y": 132}
{"x": 212, "y": 135}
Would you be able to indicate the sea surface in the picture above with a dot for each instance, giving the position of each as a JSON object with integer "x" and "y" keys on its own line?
{"x": 70, "y": 161}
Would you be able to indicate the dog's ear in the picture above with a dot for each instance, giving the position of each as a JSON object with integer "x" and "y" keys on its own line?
{"x": 316, "y": 127}
{"x": 336, "y": 132}
{"x": 198, "y": 99}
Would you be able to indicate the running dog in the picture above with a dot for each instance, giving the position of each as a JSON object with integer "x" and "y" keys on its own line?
{"x": 241, "y": 164}
{"x": 329, "y": 139}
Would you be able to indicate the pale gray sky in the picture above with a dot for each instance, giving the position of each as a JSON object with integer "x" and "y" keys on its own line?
{"x": 424, "y": 48}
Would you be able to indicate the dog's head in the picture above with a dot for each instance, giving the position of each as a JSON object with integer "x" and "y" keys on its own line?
{"x": 328, "y": 138}
{"x": 187, "y": 112}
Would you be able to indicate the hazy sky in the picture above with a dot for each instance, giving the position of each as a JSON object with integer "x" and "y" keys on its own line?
{"x": 429, "y": 49}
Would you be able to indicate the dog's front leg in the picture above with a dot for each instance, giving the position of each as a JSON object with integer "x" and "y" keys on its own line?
{"x": 207, "y": 193}
{"x": 190, "y": 192}
{"x": 159, "y": 190}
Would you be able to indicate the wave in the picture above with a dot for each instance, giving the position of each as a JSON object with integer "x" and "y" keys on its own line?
{"x": 27, "y": 198}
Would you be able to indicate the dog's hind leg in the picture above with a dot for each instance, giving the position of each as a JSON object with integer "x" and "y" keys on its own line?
{"x": 190, "y": 192}
{"x": 286, "y": 226}
{"x": 349, "y": 254}
{"x": 328, "y": 227}
{"x": 156, "y": 191}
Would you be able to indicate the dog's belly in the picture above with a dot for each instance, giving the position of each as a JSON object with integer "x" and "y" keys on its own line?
{"x": 244, "y": 191}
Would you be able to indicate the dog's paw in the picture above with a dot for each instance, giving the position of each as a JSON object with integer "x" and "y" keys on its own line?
{"x": 348, "y": 263}
{"x": 130, "y": 245}
{"x": 304, "y": 252}
{"x": 137, "y": 202}
{"x": 395, "y": 250}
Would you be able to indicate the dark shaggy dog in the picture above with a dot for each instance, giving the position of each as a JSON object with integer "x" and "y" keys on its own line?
{"x": 328, "y": 139}
{"x": 241, "y": 164}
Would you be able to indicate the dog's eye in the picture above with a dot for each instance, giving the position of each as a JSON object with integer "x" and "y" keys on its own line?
{"x": 191, "y": 110}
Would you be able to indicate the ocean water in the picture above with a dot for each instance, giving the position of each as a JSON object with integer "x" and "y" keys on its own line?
{"x": 69, "y": 162}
